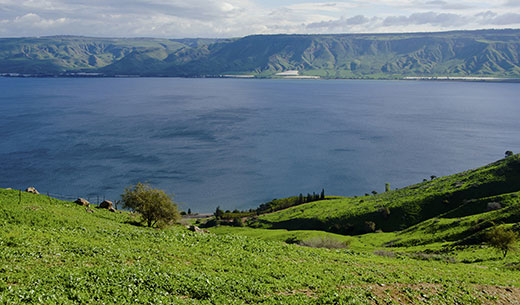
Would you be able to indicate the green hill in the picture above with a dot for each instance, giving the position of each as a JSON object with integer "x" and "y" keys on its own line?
{"x": 470, "y": 201}
{"x": 55, "y": 252}
{"x": 459, "y": 53}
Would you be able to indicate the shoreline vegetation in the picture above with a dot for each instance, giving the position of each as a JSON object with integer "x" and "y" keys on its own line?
{"x": 298, "y": 77}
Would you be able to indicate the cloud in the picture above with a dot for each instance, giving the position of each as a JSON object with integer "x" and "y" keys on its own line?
{"x": 512, "y": 3}
{"x": 502, "y": 19}
{"x": 234, "y": 18}
{"x": 444, "y": 5}
{"x": 323, "y": 7}
{"x": 432, "y": 18}
{"x": 31, "y": 19}
{"x": 339, "y": 23}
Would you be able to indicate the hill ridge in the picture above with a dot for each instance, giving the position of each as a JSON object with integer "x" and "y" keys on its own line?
{"x": 482, "y": 53}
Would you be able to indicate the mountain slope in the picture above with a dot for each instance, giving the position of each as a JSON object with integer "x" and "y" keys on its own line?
{"x": 57, "y": 54}
{"x": 460, "y": 53}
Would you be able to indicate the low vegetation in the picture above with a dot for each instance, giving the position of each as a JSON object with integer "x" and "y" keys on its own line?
{"x": 324, "y": 242}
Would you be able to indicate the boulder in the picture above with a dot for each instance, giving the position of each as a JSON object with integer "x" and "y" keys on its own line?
{"x": 197, "y": 229}
{"x": 106, "y": 204}
{"x": 112, "y": 210}
{"x": 491, "y": 206}
{"x": 89, "y": 210}
{"x": 82, "y": 202}
{"x": 32, "y": 190}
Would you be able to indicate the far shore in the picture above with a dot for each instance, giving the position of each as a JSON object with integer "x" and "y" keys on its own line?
{"x": 251, "y": 76}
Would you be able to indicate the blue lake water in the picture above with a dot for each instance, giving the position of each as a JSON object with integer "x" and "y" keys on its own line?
{"x": 237, "y": 143}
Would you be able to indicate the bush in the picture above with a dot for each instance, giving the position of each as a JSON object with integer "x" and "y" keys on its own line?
{"x": 384, "y": 211}
{"x": 503, "y": 240}
{"x": 153, "y": 204}
{"x": 370, "y": 226}
{"x": 324, "y": 242}
{"x": 237, "y": 222}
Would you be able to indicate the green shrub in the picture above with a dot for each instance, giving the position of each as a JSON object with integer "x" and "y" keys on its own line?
{"x": 237, "y": 222}
{"x": 504, "y": 240}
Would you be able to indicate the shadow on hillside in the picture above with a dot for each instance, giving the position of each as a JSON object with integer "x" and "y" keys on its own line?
{"x": 135, "y": 223}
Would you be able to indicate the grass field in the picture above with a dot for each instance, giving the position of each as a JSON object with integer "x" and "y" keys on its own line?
{"x": 54, "y": 252}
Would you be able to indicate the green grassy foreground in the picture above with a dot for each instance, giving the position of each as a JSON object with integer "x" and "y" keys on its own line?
{"x": 54, "y": 252}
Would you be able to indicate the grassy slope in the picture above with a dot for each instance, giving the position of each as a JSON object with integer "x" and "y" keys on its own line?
{"x": 55, "y": 252}
{"x": 463, "y": 196}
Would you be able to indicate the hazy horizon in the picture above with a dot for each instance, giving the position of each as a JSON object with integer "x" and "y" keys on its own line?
{"x": 238, "y": 37}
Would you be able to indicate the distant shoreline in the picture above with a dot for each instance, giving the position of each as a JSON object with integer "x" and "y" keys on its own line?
{"x": 250, "y": 76}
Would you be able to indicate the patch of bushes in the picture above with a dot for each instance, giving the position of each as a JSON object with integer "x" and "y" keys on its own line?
{"x": 432, "y": 257}
{"x": 324, "y": 242}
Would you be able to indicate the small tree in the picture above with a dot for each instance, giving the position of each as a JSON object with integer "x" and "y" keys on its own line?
{"x": 322, "y": 195}
{"x": 374, "y": 192}
{"x": 508, "y": 153}
{"x": 218, "y": 213}
{"x": 154, "y": 205}
{"x": 433, "y": 177}
{"x": 189, "y": 211}
{"x": 237, "y": 222}
{"x": 387, "y": 187}
{"x": 503, "y": 240}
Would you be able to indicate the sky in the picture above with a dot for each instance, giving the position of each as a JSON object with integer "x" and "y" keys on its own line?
{"x": 237, "y": 18}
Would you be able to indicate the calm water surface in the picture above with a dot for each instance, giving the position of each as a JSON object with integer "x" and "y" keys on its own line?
{"x": 237, "y": 143}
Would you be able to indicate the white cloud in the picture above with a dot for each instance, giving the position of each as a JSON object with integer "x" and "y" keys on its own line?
{"x": 343, "y": 22}
{"x": 432, "y": 18}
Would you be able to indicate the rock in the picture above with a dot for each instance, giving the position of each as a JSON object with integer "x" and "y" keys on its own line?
{"x": 491, "y": 206}
{"x": 112, "y": 209}
{"x": 89, "y": 210}
{"x": 197, "y": 229}
{"x": 32, "y": 190}
{"x": 194, "y": 229}
{"x": 82, "y": 202}
{"x": 106, "y": 204}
